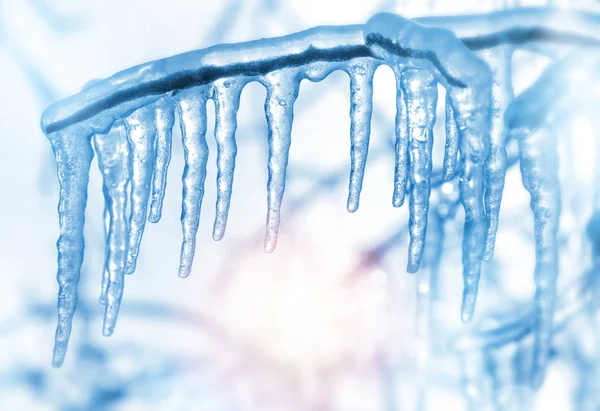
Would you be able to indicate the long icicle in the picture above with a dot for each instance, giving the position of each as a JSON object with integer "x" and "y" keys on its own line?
{"x": 539, "y": 171}
{"x": 164, "y": 121}
{"x": 420, "y": 92}
{"x": 226, "y": 94}
{"x": 500, "y": 62}
{"x": 282, "y": 91}
{"x": 73, "y": 152}
{"x": 192, "y": 113}
{"x": 141, "y": 133}
{"x": 113, "y": 154}
{"x": 451, "y": 146}
{"x": 106, "y": 216}
{"x": 402, "y": 162}
{"x": 361, "y": 74}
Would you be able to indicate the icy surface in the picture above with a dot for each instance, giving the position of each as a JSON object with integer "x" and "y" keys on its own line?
{"x": 131, "y": 116}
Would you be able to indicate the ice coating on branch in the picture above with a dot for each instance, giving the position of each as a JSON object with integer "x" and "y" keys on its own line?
{"x": 539, "y": 171}
{"x": 113, "y": 150}
{"x": 282, "y": 91}
{"x": 192, "y": 114}
{"x": 164, "y": 121}
{"x": 401, "y": 147}
{"x": 420, "y": 94}
{"x": 500, "y": 61}
{"x": 226, "y": 95}
{"x": 73, "y": 153}
{"x": 468, "y": 82}
{"x": 141, "y": 133}
{"x": 361, "y": 72}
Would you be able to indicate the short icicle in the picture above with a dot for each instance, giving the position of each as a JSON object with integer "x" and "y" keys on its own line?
{"x": 539, "y": 171}
{"x": 226, "y": 94}
{"x": 402, "y": 162}
{"x": 282, "y": 91}
{"x": 500, "y": 61}
{"x": 141, "y": 133}
{"x": 361, "y": 72}
{"x": 192, "y": 113}
{"x": 73, "y": 152}
{"x": 113, "y": 155}
{"x": 420, "y": 93}
{"x": 164, "y": 121}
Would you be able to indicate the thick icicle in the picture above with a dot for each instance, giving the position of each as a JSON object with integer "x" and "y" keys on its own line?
{"x": 451, "y": 146}
{"x": 192, "y": 114}
{"x": 113, "y": 158}
{"x": 73, "y": 152}
{"x": 361, "y": 73}
{"x": 500, "y": 61}
{"x": 141, "y": 133}
{"x": 282, "y": 91}
{"x": 420, "y": 93}
{"x": 226, "y": 94}
{"x": 164, "y": 121}
{"x": 539, "y": 171}
{"x": 402, "y": 163}
{"x": 468, "y": 82}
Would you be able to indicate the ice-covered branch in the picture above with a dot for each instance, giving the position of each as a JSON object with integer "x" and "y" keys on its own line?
{"x": 139, "y": 103}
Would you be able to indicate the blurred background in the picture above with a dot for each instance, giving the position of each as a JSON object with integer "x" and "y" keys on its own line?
{"x": 331, "y": 320}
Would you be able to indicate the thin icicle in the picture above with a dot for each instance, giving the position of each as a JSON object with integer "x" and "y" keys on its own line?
{"x": 500, "y": 61}
{"x": 104, "y": 283}
{"x": 113, "y": 158}
{"x": 227, "y": 101}
{"x": 451, "y": 147}
{"x": 164, "y": 121}
{"x": 401, "y": 150}
{"x": 192, "y": 114}
{"x": 141, "y": 133}
{"x": 282, "y": 91}
{"x": 539, "y": 171}
{"x": 73, "y": 152}
{"x": 361, "y": 108}
{"x": 420, "y": 93}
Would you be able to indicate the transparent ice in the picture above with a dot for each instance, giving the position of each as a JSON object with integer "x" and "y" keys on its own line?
{"x": 127, "y": 120}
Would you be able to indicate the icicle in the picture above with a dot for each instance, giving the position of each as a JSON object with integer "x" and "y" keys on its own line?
{"x": 420, "y": 93}
{"x": 468, "y": 81}
{"x": 282, "y": 91}
{"x": 227, "y": 101}
{"x": 500, "y": 61}
{"x": 451, "y": 147}
{"x": 104, "y": 283}
{"x": 164, "y": 121}
{"x": 401, "y": 150}
{"x": 192, "y": 113}
{"x": 539, "y": 171}
{"x": 73, "y": 152}
{"x": 361, "y": 107}
{"x": 113, "y": 158}
{"x": 141, "y": 133}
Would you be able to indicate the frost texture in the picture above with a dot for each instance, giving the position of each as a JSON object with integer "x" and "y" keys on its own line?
{"x": 130, "y": 117}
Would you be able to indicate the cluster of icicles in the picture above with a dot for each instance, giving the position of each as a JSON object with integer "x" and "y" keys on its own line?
{"x": 128, "y": 120}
